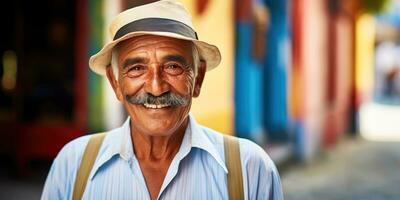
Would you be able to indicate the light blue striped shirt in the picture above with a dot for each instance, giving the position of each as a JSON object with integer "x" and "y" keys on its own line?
{"x": 198, "y": 170}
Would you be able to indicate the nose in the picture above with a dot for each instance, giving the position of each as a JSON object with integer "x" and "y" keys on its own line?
{"x": 156, "y": 85}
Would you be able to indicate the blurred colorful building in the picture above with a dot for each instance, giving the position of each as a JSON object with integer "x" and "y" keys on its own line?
{"x": 293, "y": 76}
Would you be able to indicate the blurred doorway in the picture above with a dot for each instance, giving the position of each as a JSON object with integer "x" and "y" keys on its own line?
{"x": 41, "y": 101}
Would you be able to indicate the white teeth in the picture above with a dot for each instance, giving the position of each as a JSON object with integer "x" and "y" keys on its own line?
{"x": 154, "y": 106}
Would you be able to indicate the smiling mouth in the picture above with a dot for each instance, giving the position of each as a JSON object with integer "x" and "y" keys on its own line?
{"x": 155, "y": 106}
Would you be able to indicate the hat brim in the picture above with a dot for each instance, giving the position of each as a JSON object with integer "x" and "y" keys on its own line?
{"x": 207, "y": 52}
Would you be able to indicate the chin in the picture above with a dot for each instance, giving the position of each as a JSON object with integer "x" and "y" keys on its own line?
{"x": 158, "y": 122}
{"x": 156, "y": 128}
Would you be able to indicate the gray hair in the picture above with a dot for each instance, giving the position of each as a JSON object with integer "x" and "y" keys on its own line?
{"x": 115, "y": 68}
{"x": 114, "y": 62}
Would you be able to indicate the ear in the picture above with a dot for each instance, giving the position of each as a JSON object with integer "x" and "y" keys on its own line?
{"x": 114, "y": 83}
{"x": 201, "y": 71}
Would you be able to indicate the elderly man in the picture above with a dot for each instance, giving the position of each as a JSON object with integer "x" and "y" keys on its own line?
{"x": 156, "y": 64}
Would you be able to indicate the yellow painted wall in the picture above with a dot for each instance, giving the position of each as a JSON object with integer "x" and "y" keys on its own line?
{"x": 365, "y": 39}
{"x": 214, "y": 107}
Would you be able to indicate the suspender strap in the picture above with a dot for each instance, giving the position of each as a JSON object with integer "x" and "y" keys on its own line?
{"x": 89, "y": 156}
{"x": 233, "y": 163}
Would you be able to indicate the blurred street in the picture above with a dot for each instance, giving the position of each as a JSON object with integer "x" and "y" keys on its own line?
{"x": 21, "y": 187}
{"x": 355, "y": 169}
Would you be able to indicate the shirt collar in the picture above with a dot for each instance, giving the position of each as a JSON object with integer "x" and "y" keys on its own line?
{"x": 119, "y": 142}
{"x": 200, "y": 139}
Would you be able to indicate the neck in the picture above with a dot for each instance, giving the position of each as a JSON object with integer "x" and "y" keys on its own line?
{"x": 157, "y": 148}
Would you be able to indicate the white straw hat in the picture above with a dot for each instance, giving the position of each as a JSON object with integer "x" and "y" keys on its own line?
{"x": 164, "y": 18}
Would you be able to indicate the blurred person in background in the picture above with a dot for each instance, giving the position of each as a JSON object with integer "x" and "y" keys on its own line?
{"x": 156, "y": 64}
{"x": 391, "y": 85}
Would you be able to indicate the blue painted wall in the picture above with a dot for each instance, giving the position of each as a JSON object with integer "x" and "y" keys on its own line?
{"x": 248, "y": 85}
{"x": 277, "y": 61}
{"x": 261, "y": 85}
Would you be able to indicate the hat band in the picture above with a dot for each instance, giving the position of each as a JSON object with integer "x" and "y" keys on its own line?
{"x": 156, "y": 25}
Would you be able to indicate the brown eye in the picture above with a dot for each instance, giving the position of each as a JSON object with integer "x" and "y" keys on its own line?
{"x": 136, "y": 70}
{"x": 173, "y": 68}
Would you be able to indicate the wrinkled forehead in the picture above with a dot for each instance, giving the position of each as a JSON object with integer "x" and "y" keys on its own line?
{"x": 152, "y": 42}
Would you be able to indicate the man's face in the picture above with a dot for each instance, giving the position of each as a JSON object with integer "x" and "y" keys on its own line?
{"x": 156, "y": 83}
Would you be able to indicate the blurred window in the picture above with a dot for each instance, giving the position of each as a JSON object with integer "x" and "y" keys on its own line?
{"x": 39, "y": 40}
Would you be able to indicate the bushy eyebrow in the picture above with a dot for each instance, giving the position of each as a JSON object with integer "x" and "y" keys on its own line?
{"x": 136, "y": 60}
{"x": 176, "y": 58}
{"x": 133, "y": 61}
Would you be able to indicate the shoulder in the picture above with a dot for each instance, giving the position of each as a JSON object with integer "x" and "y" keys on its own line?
{"x": 256, "y": 161}
{"x": 68, "y": 159}
{"x": 62, "y": 173}
{"x": 252, "y": 153}
{"x": 259, "y": 172}
{"x": 73, "y": 150}
{"x": 70, "y": 156}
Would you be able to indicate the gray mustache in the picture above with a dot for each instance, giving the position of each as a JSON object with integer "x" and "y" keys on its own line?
{"x": 169, "y": 99}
